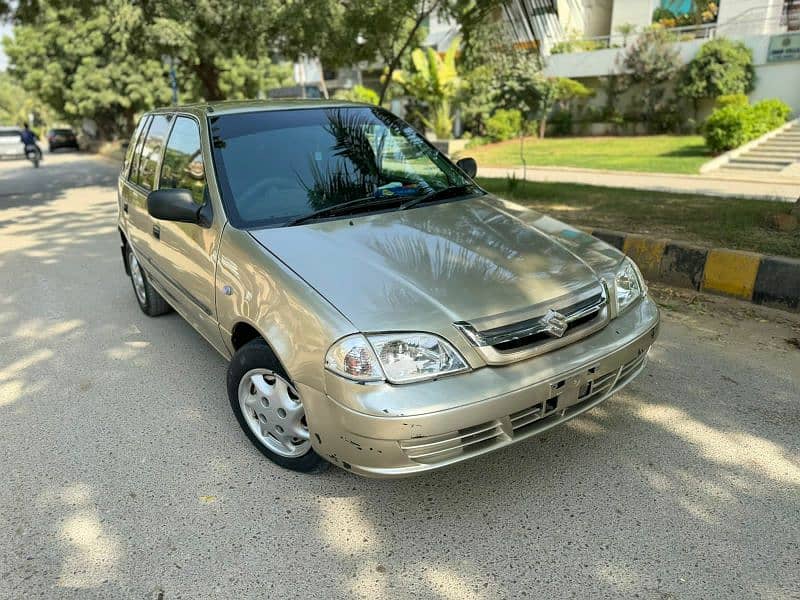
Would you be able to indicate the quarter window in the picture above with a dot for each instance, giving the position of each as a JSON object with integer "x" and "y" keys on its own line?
{"x": 183, "y": 160}
{"x": 133, "y": 143}
{"x": 137, "y": 150}
{"x": 151, "y": 151}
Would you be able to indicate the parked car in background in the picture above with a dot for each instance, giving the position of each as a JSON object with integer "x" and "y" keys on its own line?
{"x": 11, "y": 145}
{"x": 379, "y": 309}
{"x": 62, "y": 138}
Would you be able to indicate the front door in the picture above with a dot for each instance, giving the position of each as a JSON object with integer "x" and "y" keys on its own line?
{"x": 186, "y": 251}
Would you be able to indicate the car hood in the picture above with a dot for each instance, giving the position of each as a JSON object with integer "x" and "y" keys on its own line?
{"x": 430, "y": 266}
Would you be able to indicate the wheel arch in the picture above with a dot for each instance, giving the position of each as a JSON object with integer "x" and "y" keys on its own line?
{"x": 244, "y": 332}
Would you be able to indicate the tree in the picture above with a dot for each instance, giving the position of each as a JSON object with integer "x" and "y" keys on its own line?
{"x": 650, "y": 63}
{"x": 16, "y": 105}
{"x": 721, "y": 67}
{"x": 83, "y": 61}
{"x": 106, "y": 60}
{"x": 207, "y": 36}
{"x": 386, "y": 30}
{"x": 434, "y": 81}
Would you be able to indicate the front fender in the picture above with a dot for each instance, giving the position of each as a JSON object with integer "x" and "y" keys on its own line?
{"x": 254, "y": 287}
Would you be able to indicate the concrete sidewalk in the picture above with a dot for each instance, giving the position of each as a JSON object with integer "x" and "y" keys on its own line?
{"x": 758, "y": 186}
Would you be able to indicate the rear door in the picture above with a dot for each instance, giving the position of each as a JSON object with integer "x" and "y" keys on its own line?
{"x": 186, "y": 252}
{"x": 144, "y": 170}
{"x": 125, "y": 189}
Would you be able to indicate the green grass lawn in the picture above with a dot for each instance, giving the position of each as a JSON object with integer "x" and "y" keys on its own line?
{"x": 705, "y": 220}
{"x": 653, "y": 153}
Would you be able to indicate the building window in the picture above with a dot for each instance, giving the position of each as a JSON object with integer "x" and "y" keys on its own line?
{"x": 791, "y": 14}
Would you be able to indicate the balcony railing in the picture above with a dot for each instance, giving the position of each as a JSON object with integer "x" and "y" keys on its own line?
{"x": 751, "y": 22}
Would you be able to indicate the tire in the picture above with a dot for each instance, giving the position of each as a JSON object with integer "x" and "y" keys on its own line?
{"x": 149, "y": 300}
{"x": 274, "y": 409}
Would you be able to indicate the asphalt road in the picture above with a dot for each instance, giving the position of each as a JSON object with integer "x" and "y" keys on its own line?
{"x": 125, "y": 475}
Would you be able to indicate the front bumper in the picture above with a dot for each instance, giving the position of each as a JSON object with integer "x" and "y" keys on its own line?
{"x": 394, "y": 431}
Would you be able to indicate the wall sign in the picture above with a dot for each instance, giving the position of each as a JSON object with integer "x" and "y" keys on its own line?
{"x": 784, "y": 47}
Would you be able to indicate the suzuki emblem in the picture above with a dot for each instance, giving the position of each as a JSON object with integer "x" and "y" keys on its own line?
{"x": 555, "y": 323}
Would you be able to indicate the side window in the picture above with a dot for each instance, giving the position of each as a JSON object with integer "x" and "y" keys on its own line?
{"x": 137, "y": 142}
{"x": 132, "y": 146}
{"x": 183, "y": 160}
{"x": 151, "y": 151}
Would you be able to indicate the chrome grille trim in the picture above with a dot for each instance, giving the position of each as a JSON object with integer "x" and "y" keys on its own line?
{"x": 593, "y": 300}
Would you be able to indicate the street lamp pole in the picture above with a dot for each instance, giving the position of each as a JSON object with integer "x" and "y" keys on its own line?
{"x": 173, "y": 80}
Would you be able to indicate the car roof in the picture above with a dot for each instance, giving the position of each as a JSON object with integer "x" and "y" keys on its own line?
{"x": 205, "y": 109}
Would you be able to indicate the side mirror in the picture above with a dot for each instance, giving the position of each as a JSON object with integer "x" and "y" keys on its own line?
{"x": 469, "y": 166}
{"x": 173, "y": 205}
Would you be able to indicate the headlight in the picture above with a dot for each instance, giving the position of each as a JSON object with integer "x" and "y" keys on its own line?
{"x": 407, "y": 357}
{"x": 397, "y": 357}
{"x": 629, "y": 284}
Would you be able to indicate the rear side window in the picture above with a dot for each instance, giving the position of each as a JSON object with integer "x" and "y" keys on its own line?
{"x": 151, "y": 151}
{"x": 137, "y": 151}
{"x": 134, "y": 142}
{"x": 183, "y": 160}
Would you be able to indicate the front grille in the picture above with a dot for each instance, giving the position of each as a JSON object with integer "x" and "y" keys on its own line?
{"x": 525, "y": 422}
{"x": 584, "y": 312}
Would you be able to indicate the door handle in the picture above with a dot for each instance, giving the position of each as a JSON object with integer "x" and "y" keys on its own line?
{"x": 157, "y": 232}
{"x": 125, "y": 207}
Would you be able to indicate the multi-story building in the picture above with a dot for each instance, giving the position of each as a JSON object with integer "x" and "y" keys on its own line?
{"x": 583, "y": 39}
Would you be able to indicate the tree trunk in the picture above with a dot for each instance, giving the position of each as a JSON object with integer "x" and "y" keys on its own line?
{"x": 208, "y": 74}
{"x": 322, "y": 84}
{"x": 542, "y": 127}
{"x": 395, "y": 61}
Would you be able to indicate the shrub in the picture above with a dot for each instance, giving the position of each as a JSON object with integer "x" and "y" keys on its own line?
{"x": 734, "y": 123}
{"x": 721, "y": 67}
{"x": 561, "y": 123}
{"x": 576, "y": 45}
{"x": 773, "y": 113}
{"x": 358, "y": 93}
{"x": 732, "y": 100}
{"x": 504, "y": 124}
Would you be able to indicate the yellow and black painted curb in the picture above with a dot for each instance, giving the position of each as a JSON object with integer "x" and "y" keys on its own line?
{"x": 769, "y": 280}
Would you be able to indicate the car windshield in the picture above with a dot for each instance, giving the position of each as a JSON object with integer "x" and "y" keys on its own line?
{"x": 277, "y": 166}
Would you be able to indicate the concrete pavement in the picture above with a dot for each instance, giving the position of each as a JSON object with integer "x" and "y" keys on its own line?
{"x": 760, "y": 186}
{"x": 124, "y": 473}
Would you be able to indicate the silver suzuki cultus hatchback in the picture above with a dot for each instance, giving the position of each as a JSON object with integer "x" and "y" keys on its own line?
{"x": 380, "y": 310}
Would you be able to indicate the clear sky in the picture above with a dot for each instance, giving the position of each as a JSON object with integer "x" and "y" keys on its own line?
{"x": 4, "y": 30}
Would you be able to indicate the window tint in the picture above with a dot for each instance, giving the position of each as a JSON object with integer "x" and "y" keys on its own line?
{"x": 183, "y": 160}
{"x": 151, "y": 151}
{"x": 133, "y": 143}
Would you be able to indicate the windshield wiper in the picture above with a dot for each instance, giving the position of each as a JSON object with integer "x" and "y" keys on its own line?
{"x": 453, "y": 190}
{"x": 342, "y": 208}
